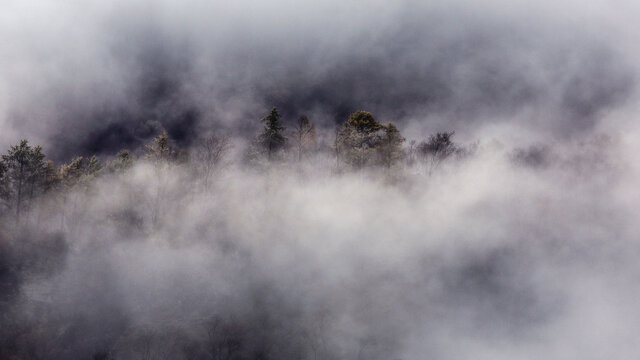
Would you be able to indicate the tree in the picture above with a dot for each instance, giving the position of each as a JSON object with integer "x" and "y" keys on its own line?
{"x": 161, "y": 151}
{"x": 436, "y": 149}
{"x": 25, "y": 171}
{"x": 94, "y": 167}
{"x": 389, "y": 146}
{"x": 123, "y": 161}
{"x": 357, "y": 138}
{"x": 303, "y": 135}
{"x": 70, "y": 173}
{"x": 50, "y": 176}
{"x": 411, "y": 153}
{"x": 210, "y": 154}
{"x": 4, "y": 186}
{"x": 272, "y": 139}
{"x": 36, "y": 168}
{"x": 77, "y": 174}
{"x": 163, "y": 156}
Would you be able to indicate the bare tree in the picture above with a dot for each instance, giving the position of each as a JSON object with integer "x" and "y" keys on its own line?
{"x": 436, "y": 149}
{"x": 303, "y": 135}
{"x": 210, "y": 154}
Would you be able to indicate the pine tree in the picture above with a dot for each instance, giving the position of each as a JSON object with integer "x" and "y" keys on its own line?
{"x": 25, "y": 171}
{"x": 272, "y": 139}
{"x": 71, "y": 173}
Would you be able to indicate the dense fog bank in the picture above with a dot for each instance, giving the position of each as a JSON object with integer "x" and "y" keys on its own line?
{"x": 200, "y": 180}
{"x": 491, "y": 256}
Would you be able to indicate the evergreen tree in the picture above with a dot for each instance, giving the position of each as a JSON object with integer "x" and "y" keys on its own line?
{"x": 71, "y": 173}
{"x": 272, "y": 139}
{"x": 363, "y": 122}
{"x": 357, "y": 138}
{"x": 26, "y": 171}
{"x": 94, "y": 166}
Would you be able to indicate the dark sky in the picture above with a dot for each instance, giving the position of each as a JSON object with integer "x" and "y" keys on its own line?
{"x": 96, "y": 78}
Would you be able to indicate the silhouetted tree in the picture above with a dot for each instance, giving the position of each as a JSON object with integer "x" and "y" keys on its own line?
{"x": 272, "y": 139}
{"x": 436, "y": 149}
{"x": 303, "y": 135}
{"x": 25, "y": 171}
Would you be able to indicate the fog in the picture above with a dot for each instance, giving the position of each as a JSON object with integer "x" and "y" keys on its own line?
{"x": 93, "y": 78}
{"x": 526, "y": 247}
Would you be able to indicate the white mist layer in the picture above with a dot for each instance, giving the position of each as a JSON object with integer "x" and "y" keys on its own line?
{"x": 485, "y": 259}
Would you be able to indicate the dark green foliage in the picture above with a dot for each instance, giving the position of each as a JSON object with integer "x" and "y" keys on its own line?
{"x": 357, "y": 139}
{"x": 272, "y": 138}
{"x": 363, "y": 122}
{"x": 26, "y": 175}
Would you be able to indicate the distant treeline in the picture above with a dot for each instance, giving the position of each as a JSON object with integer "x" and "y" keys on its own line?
{"x": 362, "y": 141}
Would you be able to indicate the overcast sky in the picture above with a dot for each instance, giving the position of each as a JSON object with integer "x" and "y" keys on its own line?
{"x": 94, "y": 77}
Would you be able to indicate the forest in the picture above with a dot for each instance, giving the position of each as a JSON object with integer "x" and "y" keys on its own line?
{"x": 319, "y": 180}
{"x": 27, "y": 177}
{"x": 140, "y": 215}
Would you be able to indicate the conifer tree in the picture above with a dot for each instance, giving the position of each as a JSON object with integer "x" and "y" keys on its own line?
{"x": 25, "y": 171}
{"x": 272, "y": 139}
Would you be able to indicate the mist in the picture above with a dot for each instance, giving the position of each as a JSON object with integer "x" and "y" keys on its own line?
{"x": 94, "y": 78}
{"x": 520, "y": 243}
